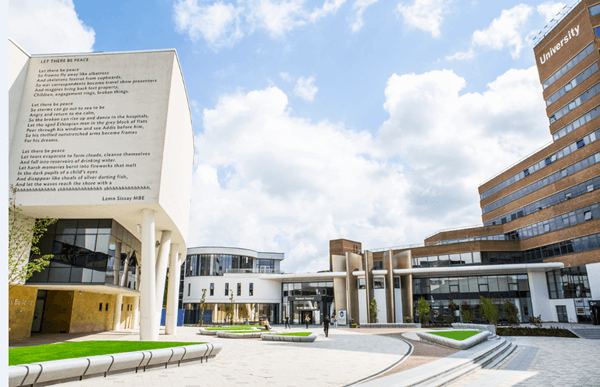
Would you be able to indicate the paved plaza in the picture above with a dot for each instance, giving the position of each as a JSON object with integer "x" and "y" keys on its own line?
{"x": 348, "y": 356}
{"x": 543, "y": 362}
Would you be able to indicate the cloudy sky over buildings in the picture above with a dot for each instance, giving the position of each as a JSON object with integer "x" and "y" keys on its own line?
{"x": 315, "y": 120}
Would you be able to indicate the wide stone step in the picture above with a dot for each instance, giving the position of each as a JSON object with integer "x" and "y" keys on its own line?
{"x": 593, "y": 334}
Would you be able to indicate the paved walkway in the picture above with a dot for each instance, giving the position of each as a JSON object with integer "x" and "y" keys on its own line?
{"x": 346, "y": 356}
{"x": 543, "y": 362}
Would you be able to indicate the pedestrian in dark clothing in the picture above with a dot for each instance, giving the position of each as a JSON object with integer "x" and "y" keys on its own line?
{"x": 307, "y": 319}
{"x": 326, "y": 326}
{"x": 287, "y": 322}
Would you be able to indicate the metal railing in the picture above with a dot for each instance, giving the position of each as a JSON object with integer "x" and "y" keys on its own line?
{"x": 260, "y": 270}
{"x": 549, "y": 27}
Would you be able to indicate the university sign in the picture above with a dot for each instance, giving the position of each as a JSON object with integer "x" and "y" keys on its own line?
{"x": 573, "y": 32}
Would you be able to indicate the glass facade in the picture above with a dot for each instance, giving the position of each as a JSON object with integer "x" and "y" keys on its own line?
{"x": 466, "y": 291}
{"x": 585, "y": 74}
{"x": 84, "y": 252}
{"x": 312, "y": 300}
{"x": 217, "y": 313}
{"x": 585, "y": 96}
{"x": 570, "y": 282}
{"x": 218, "y": 264}
{"x": 568, "y": 66}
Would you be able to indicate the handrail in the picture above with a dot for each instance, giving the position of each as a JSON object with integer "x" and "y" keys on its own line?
{"x": 548, "y": 29}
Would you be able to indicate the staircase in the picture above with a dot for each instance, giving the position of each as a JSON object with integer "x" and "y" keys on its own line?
{"x": 589, "y": 333}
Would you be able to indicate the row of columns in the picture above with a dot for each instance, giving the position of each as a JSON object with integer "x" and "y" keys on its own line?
{"x": 152, "y": 282}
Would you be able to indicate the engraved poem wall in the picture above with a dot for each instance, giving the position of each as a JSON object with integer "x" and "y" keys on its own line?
{"x": 91, "y": 128}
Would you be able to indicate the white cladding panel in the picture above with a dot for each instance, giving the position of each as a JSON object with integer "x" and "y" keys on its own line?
{"x": 91, "y": 129}
{"x": 540, "y": 301}
{"x": 398, "y": 305}
{"x": 265, "y": 291}
{"x": 593, "y": 272}
{"x": 362, "y": 307}
{"x": 17, "y": 72}
{"x": 569, "y": 303}
{"x": 379, "y": 295}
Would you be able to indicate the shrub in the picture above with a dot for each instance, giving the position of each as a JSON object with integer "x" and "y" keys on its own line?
{"x": 512, "y": 313}
{"x": 465, "y": 311}
{"x": 422, "y": 309}
{"x": 374, "y": 311}
{"x": 536, "y": 321}
{"x": 407, "y": 320}
{"x": 528, "y": 331}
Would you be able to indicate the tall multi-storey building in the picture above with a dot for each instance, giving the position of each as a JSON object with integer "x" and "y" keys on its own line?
{"x": 539, "y": 244}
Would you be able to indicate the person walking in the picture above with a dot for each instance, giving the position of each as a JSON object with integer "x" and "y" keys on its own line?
{"x": 287, "y": 322}
{"x": 334, "y": 321}
{"x": 326, "y": 326}
{"x": 307, "y": 319}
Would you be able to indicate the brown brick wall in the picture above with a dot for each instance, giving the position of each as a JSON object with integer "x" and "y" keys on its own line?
{"x": 21, "y": 304}
{"x": 465, "y": 233}
{"x": 87, "y": 317}
{"x": 465, "y": 247}
{"x": 577, "y": 259}
{"x": 341, "y": 247}
{"x": 587, "y": 228}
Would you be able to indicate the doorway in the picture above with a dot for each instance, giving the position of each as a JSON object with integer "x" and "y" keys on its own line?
{"x": 38, "y": 312}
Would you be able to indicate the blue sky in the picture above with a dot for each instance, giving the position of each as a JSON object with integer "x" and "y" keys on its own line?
{"x": 315, "y": 120}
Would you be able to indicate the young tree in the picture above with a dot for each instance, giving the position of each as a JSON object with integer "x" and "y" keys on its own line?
{"x": 230, "y": 308}
{"x": 422, "y": 309}
{"x": 453, "y": 308}
{"x": 512, "y": 313}
{"x": 202, "y": 307}
{"x": 465, "y": 311}
{"x": 23, "y": 236}
{"x": 489, "y": 311}
{"x": 374, "y": 311}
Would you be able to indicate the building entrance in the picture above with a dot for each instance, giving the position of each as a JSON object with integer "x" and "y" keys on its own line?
{"x": 313, "y": 307}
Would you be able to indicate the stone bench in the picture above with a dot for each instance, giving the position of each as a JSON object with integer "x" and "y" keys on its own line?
{"x": 241, "y": 335}
{"x": 59, "y": 371}
{"x": 294, "y": 339}
{"x": 213, "y": 332}
{"x": 390, "y": 325}
{"x": 457, "y": 344}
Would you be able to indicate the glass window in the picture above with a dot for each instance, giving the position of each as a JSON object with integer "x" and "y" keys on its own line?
{"x": 597, "y": 31}
{"x": 251, "y": 289}
{"x": 212, "y": 289}
{"x": 361, "y": 283}
{"x": 239, "y": 289}
{"x": 396, "y": 282}
{"x": 594, "y": 10}
{"x": 378, "y": 283}
{"x": 226, "y": 289}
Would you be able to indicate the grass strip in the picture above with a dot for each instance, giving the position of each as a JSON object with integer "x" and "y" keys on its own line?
{"x": 456, "y": 335}
{"x": 294, "y": 334}
{"x": 229, "y": 329}
{"x": 74, "y": 349}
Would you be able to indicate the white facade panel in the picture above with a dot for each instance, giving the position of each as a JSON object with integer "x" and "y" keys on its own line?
{"x": 380, "y": 298}
{"x": 540, "y": 301}
{"x": 593, "y": 272}
{"x": 363, "y": 314}
{"x": 570, "y": 306}
{"x": 398, "y": 305}
{"x": 265, "y": 291}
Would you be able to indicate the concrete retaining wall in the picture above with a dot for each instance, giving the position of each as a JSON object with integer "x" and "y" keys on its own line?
{"x": 477, "y": 327}
{"x": 391, "y": 325}
{"x": 59, "y": 371}
{"x": 457, "y": 344}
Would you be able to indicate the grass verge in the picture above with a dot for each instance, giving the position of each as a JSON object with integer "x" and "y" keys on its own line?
{"x": 294, "y": 334}
{"x": 456, "y": 335}
{"x": 73, "y": 349}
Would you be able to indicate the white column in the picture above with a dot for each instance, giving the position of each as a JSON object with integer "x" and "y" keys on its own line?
{"x": 173, "y": 292}
{"x": 161, "y": 271}
{"x": 136, "y": 312}
{"x": 117, "y": 314}
{"x": 148, "y": 323}
{"x": 117, "y": 264}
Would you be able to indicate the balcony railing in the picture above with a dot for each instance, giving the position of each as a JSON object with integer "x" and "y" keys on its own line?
{"x": 260, "y": 270}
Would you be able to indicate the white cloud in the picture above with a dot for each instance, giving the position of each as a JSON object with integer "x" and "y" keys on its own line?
{"x": 359, "y": 8}
{"x": 506, "y": 31}
{"x": 286, "y": 77}
{"x": 462, "y": 55}
{"x": 218, "y": 24}
{"x": 273, "y": 182}
{"x": 426, "y": 15}
{"x": 305, "y": 88}
{"x": 223, "y": 24}
{"x": 48, "y": 26}
{"x": 550, "y": 10}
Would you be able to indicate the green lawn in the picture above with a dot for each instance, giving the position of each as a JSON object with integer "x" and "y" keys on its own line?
{"x": 39, "y": 353}
{"x": 456, "y": 335}
{"x": 246, "y": 331}
{"x": 294, "y": 334}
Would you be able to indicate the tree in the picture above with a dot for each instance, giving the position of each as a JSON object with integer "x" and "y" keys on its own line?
{"x": 422, "y": 309}
{"x": 202, "y": 307}
{"x": 230, "y": 308}
{"x": 465, "y": 311}
{"x": 453, "y": 308}
{"x": 24, "y": 257}
{"x": 489, "y": 311}
{"x": 512, "y": 313}
{"x": 374, "y": 311}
